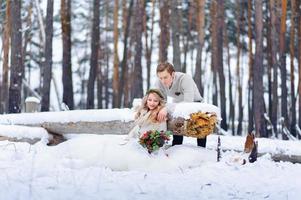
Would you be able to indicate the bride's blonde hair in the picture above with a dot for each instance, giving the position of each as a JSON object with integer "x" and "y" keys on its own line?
{"x": 153, "y": 115}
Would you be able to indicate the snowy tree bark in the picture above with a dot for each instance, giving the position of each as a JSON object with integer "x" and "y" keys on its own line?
{"x": 16, "y": 58}
{"x": 67, "y": 66}
{"x": 94, "y": 55}
{"x": 47, "y": 64}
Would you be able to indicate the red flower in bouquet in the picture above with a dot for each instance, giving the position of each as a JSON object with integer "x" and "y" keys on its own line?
{"x": 153, "y": 140}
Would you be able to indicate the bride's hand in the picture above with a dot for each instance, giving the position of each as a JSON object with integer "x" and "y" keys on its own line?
{"x": 162, "y": 115}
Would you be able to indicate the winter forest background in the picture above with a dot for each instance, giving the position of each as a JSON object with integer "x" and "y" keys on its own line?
{"x": 244, "y": 56}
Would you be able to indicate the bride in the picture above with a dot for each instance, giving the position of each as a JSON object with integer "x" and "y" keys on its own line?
{"x": 146, "y": 116}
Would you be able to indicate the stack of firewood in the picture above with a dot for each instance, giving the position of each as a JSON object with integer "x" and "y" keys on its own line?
{"x": 199, "y": 125}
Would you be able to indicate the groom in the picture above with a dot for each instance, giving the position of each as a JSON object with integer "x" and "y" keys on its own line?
{"x": 182, "y": 88}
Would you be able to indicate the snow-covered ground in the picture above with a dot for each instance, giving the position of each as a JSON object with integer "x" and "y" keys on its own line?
{"x": 90, "y": 166}
{"x": 98, "y": 167}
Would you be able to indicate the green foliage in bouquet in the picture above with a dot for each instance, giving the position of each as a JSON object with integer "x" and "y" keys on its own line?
{"x": 153, "y": 140}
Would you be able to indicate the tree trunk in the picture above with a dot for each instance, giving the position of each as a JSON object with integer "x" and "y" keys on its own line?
{"x": 185, "y": 49}
{"x": 137, "y": 83}
{"x": 40, "y": 44}
{"x": 16, "y": 58}
{"x": 219, "y": 58}
{"x": 103, "y": 85}
{"x": 27, "y": 36}
{"x": 200, "y": 44}
{"x": 259, "y": 108}
{"x": 5, "y": 70}
{"x": 116, "y": 99}
{"x": 100, "y": 79}
{"x": 214, "y": 41}
{"x": 251, "y": 61}
{"x": 175, "y": 23}
{"x": 292, "y": 58}
{"x": 274, "y": 63}
{"x": 94, "y": 55}
{"x": 149, "y": 49}
{"x": 299, "y": 63}
{"x": 239, "y": 87}
{"x": 106, "y": 82}
{"x": 124, "y": 65}
{"x": 47, "y": 65}
{"x": 282, "y": 56}
{"x": 231, "y": 104}
{"x": 164, "y": 27}
{"x": 267, "y": 26}
{"x": 67, "y": 67}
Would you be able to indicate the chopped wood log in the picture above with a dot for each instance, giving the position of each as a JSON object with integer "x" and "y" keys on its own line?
{"x": 199, "y": 125}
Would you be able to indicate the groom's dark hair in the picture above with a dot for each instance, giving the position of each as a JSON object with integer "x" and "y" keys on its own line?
{"x": 165, "y": 66}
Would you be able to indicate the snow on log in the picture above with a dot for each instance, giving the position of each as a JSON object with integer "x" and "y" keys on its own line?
{"x": 103, "y": 121}
{"x": 16, "y": 133}
{"x": 184, "y": 109}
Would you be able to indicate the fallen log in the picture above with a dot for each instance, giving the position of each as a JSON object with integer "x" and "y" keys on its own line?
{"x": 17, "y": 133}
{"x": 275, "y": 157}
{"x": 115, "y": 127}
{"x": 14, "y": 139}
{"x": 286, "y": 158}
{"x": 106, "y": 121}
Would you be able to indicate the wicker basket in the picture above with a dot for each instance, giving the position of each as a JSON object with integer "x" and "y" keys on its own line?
{"x": 199, "y": 125}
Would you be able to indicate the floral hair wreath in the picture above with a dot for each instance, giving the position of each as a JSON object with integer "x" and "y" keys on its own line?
{"x": 155, "y": 91}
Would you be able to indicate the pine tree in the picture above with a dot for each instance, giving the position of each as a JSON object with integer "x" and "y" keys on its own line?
{"x": 94, "y": 55}
{"x": 259, "y": 107}
{"x": 47, "y": 65}
{"x": 5, "y": 71}
{"x": 16, "y": 69}
{"x": 67, "y": 66}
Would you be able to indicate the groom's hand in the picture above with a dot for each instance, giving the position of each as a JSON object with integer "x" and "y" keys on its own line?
{"x": 162, "y": 115}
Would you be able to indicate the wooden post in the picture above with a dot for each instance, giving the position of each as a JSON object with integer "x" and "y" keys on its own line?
{"x": 32, "y": 104}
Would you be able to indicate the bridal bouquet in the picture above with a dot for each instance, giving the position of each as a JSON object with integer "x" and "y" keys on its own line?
{"x": 153, "y": 140}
